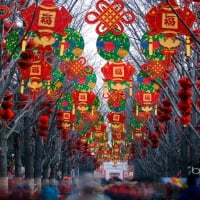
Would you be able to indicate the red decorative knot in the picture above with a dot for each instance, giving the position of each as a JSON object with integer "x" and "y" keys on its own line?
{"x": 4, "y": 12}
{"x": 110, "y": 17}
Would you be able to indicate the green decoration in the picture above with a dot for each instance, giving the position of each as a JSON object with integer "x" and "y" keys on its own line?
{"x": 65, "y": 103}
{"x": 73, "y": 45}
{"x": 57, "y": 79}
{"x": 13, "y": 41}
{"x": 88, "y": 85}
{"x": 136, "y": 123}
{"x": 157, "y": 48}
{"x": 113, "y": 47}
{"x": 111, "y": 82}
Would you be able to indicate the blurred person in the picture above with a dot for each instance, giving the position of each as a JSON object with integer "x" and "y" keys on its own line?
{"x": 89, "y": 188}
{"x": 21, "y": 192}
{"x": 148, "y": 191}
{"x": 48, "y": 193}
{"x": 192, "y": 192}
{"x": 64, "y": 189}
{"x": 168, "y": 191}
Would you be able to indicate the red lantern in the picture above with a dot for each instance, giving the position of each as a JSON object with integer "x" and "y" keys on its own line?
{"x": 118, "y": 71}
{"x": 163, "y": 19}
{"x": 147, "y": 100}
{"x": 48, "y": 18}
{"x": 83, "y": 99}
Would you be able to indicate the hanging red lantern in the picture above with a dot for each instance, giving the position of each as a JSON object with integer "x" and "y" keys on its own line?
{"x": 185, "y": 103}
{"x": 119, "y": 72}
{"x": 163, "y": 19}
{"x": 82, "y": 100}
{"x": 48, "y": 18}
{"x": 6, "y": 112}
{"x": 147, "y": 101}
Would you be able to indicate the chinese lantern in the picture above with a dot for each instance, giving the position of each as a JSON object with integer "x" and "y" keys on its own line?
{"x": 163, "y": 19}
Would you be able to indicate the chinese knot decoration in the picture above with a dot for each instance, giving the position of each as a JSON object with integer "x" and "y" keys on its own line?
{"x": 110, "y": 17}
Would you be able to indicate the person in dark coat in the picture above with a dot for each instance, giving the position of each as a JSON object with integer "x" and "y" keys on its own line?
{"x": 192, "y": 192}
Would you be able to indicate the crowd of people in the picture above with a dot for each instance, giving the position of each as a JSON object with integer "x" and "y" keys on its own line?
{"x": 88, "y": 187}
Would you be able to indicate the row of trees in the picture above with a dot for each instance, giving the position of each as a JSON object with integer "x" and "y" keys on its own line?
{"x": 178, "y": 147}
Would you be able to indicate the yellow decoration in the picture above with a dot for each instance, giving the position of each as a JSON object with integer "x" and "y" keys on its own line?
{"x": 77, "y": 51}
{"x": 44, "y": 41}
{"x": 24, "y": 43}
{"x": 188, "y": 48}
{"x": 22, "y": 87}
{"x": 150, "y": 45}
{"x": 48, "y": 87}
{"x": 169, "y": 43}
{"x": 122, "y": 53}
{"x": 62, "y": 45}
{"x": 156, "y": 86}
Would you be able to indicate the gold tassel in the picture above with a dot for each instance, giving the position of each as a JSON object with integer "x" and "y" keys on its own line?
{"x": 92, "y": 112}
{"x": 188, "y": 48}
{"x": 150, "y": 45}
{"x": 73, "y": 110}
{"x": 156, "y": 110}
{"x": 131, "y": 89}
{"x": 62, "y": 46}
{"x": 24, "y": 42}
{"x": 48, "y": 87}
{"x": 22, "y": 87}
{"x": 105, "y": 90}
{"x": 136, "y": 113}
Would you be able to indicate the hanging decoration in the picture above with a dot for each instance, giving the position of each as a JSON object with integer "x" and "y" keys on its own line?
{"x": 185, "y": 103}
{"x": 110, "y": 17}
{"x": 48, "y": 19}
{"x": 70, "y": 46}
{"x": 156, "y": 46}
{"x": 84, "y": 101}
{"x": 165, "y": 111}
{"x": 6, "y": 112}
{"x": 76, "y": 69}
{"x": 147, "y": 101}
{"x": 164, "y": 19}
{"x": 119, "y": 75}
{"x": 117, "y": 101}
{"x": 157, "y": 69}
{"x": 113, "y": 47}
{"x": 4, "y": 12}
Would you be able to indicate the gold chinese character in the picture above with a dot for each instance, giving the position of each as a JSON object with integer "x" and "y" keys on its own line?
{"x": 169, "y": 20}
{"x": 118, "y": 72}
{"x": 35, "y": 70}
{"x": 47, "y": 18}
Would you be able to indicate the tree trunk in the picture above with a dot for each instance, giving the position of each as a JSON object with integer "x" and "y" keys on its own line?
{"x": 18, "y": 160}
{"x": 52, "y": 178}
{"x": 3, "y": 161}
{"x": 28, "y": 152}
{"x": 38, "y": 161}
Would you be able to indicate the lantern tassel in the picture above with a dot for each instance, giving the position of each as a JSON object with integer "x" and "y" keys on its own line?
{"x": 136, "y": 113}
{"x": 188, "y": 48}
{"x": 24, "y": 43}
{"x": 73, "y": 110}
{"x": 22, "y": 87}
{"x": 105, "y": 90}
{"x": 62, "y": 45}
{"x": 48, "y": 87}
{"x": 130, "y": 88}
{"x": 156, "y": 110}
{"x": 150, "y": 45}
